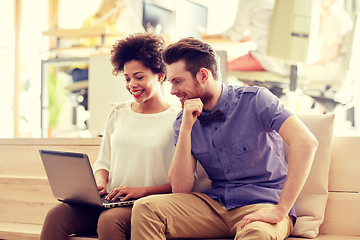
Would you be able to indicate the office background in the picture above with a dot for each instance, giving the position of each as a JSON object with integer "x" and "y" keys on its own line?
{"x": 27, "y": 55}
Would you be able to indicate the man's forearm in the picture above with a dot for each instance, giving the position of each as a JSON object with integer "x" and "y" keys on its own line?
{"x": 300, "y": 162}
{"x": 181, "y": 173}
{"x": 160, "y": 189}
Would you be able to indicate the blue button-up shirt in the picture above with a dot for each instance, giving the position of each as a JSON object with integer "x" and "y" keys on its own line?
{"x": 243, "y": 156}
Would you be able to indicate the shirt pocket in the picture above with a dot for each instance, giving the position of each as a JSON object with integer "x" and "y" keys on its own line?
{"x": 244, "y": 146}
{"x": 246, "y": 157}
{"x": 203, "y": 156}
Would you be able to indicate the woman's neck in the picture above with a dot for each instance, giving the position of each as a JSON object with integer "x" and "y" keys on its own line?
{"x": 151, "y": 106}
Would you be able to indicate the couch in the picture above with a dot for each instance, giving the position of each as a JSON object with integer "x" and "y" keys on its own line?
{"x": 328, "y": 207}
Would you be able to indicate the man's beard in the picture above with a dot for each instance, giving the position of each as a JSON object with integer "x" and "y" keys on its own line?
{"x": 206, "y": 98}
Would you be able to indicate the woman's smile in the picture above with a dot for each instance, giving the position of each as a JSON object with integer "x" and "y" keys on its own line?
{"x": 137, "y": 93}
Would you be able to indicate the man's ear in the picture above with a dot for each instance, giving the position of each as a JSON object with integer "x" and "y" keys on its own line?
{"x": 203, "y": 75}
{"x": 161, "y": 77}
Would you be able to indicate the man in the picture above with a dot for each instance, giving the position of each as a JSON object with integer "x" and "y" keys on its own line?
{"x": 241, "y": 148}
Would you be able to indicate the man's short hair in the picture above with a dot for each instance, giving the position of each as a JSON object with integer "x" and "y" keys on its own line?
{"x": 196, "y": 54}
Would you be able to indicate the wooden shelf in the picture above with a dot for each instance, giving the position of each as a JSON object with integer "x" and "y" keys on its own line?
{"x": 82, "y": 32}
{"x": 82, "y": 49}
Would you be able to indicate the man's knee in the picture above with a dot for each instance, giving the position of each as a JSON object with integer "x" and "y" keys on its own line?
{"x": 147, "y": 220}
{"x": 145, "y": 206}
{"x": 152, "y": 208}
{"x": 258, "y": 231}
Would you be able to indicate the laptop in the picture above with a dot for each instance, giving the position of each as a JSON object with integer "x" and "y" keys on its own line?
{"x": 72, "y": 181}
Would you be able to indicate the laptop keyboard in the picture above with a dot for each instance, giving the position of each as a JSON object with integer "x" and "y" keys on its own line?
{"x": 109, "y": 201}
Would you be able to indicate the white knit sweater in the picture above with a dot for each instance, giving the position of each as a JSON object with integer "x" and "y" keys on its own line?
{"x": 137, "y": 149}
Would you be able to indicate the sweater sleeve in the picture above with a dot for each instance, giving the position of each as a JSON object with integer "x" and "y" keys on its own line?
{"x": 104, "y": 157}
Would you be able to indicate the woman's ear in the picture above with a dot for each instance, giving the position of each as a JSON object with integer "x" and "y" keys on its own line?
{"x": 161, "y": 77}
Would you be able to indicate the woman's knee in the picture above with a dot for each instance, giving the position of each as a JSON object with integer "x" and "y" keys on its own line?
{"x": 56, "y": 223}
{"x": 105, "y": 222}
{"x": 59, "y": 214}
{"x": 114, "y": 220}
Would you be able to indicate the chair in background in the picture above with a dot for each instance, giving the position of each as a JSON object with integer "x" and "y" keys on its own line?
{"x": 340, "y": 92}
{"x": 293, "y": 29}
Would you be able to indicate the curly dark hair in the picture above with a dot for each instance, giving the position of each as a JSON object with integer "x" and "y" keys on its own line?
{"x": 196, "y": 54}
{"x": 143, "y": 47}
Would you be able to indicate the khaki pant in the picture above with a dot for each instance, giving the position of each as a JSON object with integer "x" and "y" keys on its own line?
{"x": 196, "y": 215}
{"x": 65, "y": 219}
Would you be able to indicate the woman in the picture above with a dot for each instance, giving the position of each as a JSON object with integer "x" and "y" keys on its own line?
{"x": 136, "y": 148}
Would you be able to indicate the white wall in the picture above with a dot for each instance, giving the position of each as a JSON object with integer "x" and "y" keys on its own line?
{"x": 104, "y": 88}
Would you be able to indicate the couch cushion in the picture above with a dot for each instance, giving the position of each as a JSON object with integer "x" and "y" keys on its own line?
{"x": 310, "y": 206}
